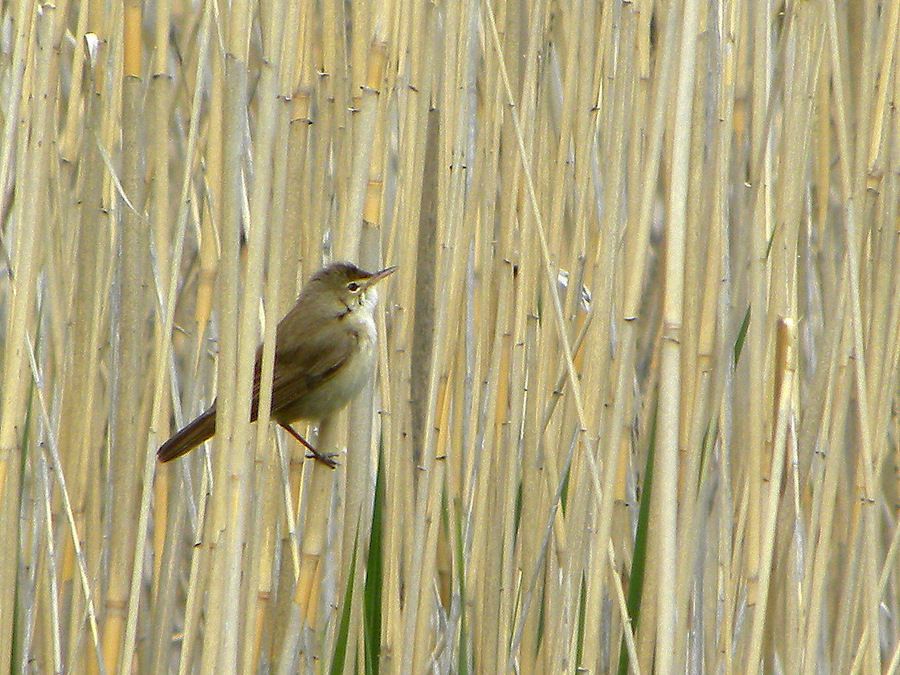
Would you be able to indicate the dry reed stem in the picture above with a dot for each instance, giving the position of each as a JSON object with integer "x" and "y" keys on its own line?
{"x": 546, "y": 175}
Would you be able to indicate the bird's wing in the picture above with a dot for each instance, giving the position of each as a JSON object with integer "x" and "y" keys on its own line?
{"x": 300, "y": 370}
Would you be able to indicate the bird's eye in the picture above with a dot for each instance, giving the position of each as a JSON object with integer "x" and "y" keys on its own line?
{"x": 353, "y": 287}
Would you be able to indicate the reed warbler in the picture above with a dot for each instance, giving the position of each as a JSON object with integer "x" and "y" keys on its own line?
{"x": 324, "y": 354}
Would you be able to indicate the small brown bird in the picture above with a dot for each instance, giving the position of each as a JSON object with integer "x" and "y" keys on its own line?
{"x": 324, "y": 353}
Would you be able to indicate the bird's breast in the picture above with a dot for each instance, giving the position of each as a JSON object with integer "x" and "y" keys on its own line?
{"x": 334, "y": 393}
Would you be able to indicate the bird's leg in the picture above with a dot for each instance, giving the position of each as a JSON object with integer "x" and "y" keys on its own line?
{"x": 325, "y": 459}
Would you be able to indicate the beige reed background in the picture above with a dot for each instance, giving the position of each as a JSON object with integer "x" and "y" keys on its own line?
{"x": 636, "y": 407}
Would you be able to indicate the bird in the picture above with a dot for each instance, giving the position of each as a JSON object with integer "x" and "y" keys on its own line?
{"x": 325, "y": 352}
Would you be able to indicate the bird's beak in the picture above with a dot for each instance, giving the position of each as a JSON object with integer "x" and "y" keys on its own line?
{"x": 378, "y": 276}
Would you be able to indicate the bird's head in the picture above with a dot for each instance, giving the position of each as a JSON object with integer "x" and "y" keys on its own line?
{"x": 348, "y": 287}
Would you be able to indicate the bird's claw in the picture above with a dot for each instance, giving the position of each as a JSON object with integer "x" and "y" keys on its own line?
{"x": 325, "y": 458}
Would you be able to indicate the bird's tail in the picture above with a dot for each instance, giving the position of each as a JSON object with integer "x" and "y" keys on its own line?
{"x": 190, "y": 437}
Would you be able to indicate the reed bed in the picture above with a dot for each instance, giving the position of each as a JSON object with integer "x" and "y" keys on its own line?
{"x": 636, "y": 404}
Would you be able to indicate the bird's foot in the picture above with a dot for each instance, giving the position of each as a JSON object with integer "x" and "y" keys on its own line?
{"x": 325, "y": 458}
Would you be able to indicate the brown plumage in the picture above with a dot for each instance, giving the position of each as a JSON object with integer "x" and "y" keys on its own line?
{"x": 324, "y": 352}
